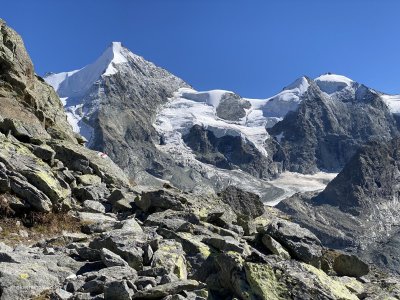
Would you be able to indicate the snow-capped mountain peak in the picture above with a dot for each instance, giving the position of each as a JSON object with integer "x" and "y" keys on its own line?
{"x": 332, "y": 83}
{"x": 76, "y": 83}
{"x": 113, "y": 56}
{"x": 287, "y": 100}
{"x": 300, "y": 85}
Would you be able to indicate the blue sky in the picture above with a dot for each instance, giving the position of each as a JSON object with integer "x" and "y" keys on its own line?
{"x": 252, "y": 47}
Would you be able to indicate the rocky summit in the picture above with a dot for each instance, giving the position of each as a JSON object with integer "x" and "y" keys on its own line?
{"x": 77, "y": 223}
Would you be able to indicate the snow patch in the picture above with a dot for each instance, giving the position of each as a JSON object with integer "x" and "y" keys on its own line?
{"x": 393, "y": 102}
{"x": 332, "y": 83}
{"x": 56, "y": 79}
{"x": 188, "y": 108}
{"x": 117, "y": 58}
{"x": 212, "y": 97}
{"x": 287, "y": 100}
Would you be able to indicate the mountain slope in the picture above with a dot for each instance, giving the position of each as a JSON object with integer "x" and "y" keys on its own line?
{"x": 359, "y": 209}
{"x": 336, "y": 117}
{"x": 113, "y": 103}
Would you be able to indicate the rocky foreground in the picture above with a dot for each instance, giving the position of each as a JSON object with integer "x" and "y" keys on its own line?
{"x": 108, "y": 238}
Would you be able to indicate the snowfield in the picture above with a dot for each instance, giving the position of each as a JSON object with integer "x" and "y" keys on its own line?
{"x": 189, "y": 107}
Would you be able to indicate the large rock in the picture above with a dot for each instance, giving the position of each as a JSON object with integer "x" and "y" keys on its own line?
{"x": 170, "y": 256}
{"x": 301, "y": 243}
{"x": 172, "y": 288}
{"x": 350, "y": 265}
{"x": 18, "y": 158}
{"x": 30, "y": 108}
{"x": 243, "y": 203}
{"x": 160, "y": 200}
{"x": 80, "y": 159}
{"x": 294, "y": 280}
{"x": 123, "y": 243}
{"x": 110, "y": 259}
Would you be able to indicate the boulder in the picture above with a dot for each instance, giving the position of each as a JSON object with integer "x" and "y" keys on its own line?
{"x": 117, "y": 290}
{"x": 130, "y": 225}
{"x": 160, "y": 200}
{"x": 45, "y": 153}
{"x": 350, "y": 265}
{"x": 167, "y": 289}
{"x": 33, "y": 196}
{"x": 226, "y": 243}
{"x": 110, "y": 259}
{"x": 22, "y": 130}
{"x": 19, "y": 159}
{"x": 89, "y": 179}
{"x": 171, "y": 219}
{"x": 301, "y": 243}
{"x": 91, "y": 192}
{"x": 124, "y": 244}
{"x": 171, "y": 257}
{"x": 94, "y": 206}
{"x": 243, "y": 203}
{"x": 71, "y": 154}
{"x": 273, "y": 246}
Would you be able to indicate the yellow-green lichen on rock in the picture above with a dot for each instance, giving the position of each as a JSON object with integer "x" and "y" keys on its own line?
{"x": 19, "y": 158}
{"x": 263, "y": 282}
{"x": 170, "y": 256}
{"x": 336, "y": 288}
{"x": 201, "y": 248}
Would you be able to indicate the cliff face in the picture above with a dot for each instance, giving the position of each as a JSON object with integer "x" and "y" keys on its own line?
{"x": 25, "y": 98}
{"x": 327, "y": 129}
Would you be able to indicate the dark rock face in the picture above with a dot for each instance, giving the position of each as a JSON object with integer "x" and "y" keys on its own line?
{"x": 326, "y": 131}
{"x": 232, "y": 152}
{"x": 232, "y": 107}
{"x": 359, "y": 208}
{"x": 369, "y": 179}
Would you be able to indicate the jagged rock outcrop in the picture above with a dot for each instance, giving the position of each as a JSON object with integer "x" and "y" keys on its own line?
{"x": 359, "y": 208}
{"x": 331, "y": 123}
{"x": 29, "y": 107}
{"x": 234, "y": 152}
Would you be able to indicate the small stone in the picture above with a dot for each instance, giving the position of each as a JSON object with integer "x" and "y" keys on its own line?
{"x": 23, "y": 233}
{"x": 63, "y": 294}
{"x": 49, "y": 251}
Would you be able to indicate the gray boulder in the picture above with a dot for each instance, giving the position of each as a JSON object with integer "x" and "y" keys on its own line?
{"x": 160, "y": 200}
{"x": 350, "y": 265}
{"x": 117, "y": 290}
{"x": 243, "y": 203}
{"x": 110, "y": 259}
{"x": 172, "y": 288}
{"x": 301, "y": 243}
